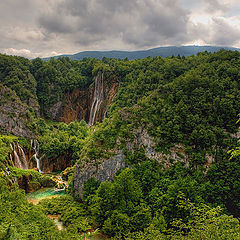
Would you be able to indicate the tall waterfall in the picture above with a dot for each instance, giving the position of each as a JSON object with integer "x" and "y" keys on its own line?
{"x": 35, "y": 147}
{"x": 97, "y": 98}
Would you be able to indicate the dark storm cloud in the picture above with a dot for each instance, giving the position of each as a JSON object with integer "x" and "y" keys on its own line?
{"x": 48, "y": 27}
{"x": 140, "y": 23}
{"x": 54, "y": 23}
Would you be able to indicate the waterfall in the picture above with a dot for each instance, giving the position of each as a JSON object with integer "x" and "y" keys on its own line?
{"x": 12, "y": 147}
{"x": 18, "y": 157}
{"x": 35, "y": 146}
{"x": 97, "y": 98}
{"x": 23, "y": 157}
{"x": 17, "y": 160}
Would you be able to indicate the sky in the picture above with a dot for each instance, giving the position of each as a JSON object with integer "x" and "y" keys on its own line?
{"x": 41, "y": 28}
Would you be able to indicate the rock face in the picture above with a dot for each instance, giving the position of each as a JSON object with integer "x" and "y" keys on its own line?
{"x": 13, "y": 112}
{"x": 108, "y": 167}
{"x": 88, "y": 103}
{"x": 55, "y": 164}
{"x": 106, "y": 170}
{"x": 143, "y": 139}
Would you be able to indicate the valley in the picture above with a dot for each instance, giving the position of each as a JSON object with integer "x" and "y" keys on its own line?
{"x": 120, "y": 149}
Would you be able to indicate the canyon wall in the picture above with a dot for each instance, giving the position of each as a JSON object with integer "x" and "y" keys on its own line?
{"x": 15, "y": 118}
{"x": 87, "y": 103}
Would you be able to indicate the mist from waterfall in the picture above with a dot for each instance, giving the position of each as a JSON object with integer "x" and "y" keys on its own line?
{"x": 97, "y": 98}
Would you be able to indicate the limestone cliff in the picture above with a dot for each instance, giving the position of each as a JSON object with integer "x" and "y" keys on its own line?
{"x": 14, "y": 114}
{"x": 104, "y": 171}
{"x": 87, "y": 103}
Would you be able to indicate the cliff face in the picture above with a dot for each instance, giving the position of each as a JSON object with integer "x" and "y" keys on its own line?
{"x": 14, "y": 114}
{"x": 104, "y": 171}
{"x": 88, "y": 103}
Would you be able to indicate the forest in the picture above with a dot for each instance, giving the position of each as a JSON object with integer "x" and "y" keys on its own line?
{"x": 173, "y": 126}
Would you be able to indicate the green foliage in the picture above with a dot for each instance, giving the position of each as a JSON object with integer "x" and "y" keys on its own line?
{"x": 5, "y": 149}
{"x": 20, "y": 220}
{"x": 56, "y": 77}
{"x": 149, "y": 201}
{"x": 189, "y": 102}
{"x": 62, "y": 139}
{"x": 73, "y": 214}
{"x": 15, "y": 74}
{"x": 206, "y": 223}
{"x": 117, "y": 204}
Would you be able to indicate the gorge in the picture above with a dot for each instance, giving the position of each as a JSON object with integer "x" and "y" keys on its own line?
{"x": 140, "y": 148}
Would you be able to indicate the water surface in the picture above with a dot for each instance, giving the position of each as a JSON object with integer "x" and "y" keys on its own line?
{"x": 44, "y": 193}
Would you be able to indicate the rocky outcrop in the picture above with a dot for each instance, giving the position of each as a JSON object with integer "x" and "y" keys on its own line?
{"x": 103, "y": 171}
{"x": 14, "y": 117}
{"x": 107, "y": 168}
{"x": 75, "y": 106}
{"x": 87, "y": 103}
{"x": 143, "y": 140}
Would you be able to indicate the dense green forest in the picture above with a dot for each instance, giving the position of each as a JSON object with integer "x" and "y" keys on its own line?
{"x": 175, "y": 121}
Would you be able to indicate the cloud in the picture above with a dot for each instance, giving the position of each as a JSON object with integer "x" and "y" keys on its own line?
{"x": 214, "y": 6}
{"x": 20, "y": 52}
{"x": 27, "y": 53}
{"x": 39, "y": 27}
{"x": 223, "y": 33}
{"x": 138, "y": 23}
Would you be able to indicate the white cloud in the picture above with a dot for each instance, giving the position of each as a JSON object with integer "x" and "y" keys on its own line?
{"x": 27, "y": 53}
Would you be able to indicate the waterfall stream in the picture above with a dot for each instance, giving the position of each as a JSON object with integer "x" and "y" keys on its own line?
{"x": 17, "y": 161}
{"x": 23, "y": 157}
{"x": 18, "y": 156}
{"x": 97, "y": 98}
{"x": 35, "y": 147}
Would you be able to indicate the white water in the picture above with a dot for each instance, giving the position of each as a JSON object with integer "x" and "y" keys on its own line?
{"x": 18, "y": 156}
{"x": 12, "y": 147}
{"x": 23, "y": 157}
{"x": 35, "y": 146}
{"x": 97, "y": 98}
{"x": 18, "y": 163}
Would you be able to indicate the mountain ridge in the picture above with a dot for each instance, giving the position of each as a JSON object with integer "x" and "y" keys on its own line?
{"x": 139, "y": 54}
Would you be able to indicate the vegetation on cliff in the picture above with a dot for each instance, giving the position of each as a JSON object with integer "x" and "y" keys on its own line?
{"x": 174, "y": 121}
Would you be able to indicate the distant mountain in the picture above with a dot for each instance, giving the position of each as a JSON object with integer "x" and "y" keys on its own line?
{"x": 160, "y": 51}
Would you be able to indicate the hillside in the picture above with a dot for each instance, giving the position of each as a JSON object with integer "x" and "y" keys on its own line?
{"x": 149, "y": 146}
{"x": 154, "y": 52}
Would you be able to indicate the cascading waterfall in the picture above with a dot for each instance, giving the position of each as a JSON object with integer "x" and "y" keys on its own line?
{"x": 17, "y": 157}
{"x": 35, "y": 147}
{"x": 97, "y": 98}
{"x": 17, "y": 161}
{"x": 23, "y": 157}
